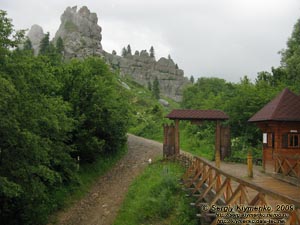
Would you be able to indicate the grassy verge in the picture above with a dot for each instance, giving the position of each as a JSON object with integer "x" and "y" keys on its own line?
{"x": 88, "y": 174}
{"x": 156, "y": 197}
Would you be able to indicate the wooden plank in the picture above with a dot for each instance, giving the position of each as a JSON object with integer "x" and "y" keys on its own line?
{"x": 201, "y": 182}
{"x": 220, "y": 191}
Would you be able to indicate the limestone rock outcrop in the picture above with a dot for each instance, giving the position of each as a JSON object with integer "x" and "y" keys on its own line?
{"x": 82, "y": 37}
{"x": 35, "y": 35}
{"x": 80, "y": 33}
{"x": 144, "y": 69}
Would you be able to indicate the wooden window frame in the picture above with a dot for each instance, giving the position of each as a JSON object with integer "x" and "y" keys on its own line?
{"x": 292, "y": 139}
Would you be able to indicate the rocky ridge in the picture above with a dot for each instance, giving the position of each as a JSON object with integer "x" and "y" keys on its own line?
{"x": 144, "y": 69}
{"x": 82, "y": 37}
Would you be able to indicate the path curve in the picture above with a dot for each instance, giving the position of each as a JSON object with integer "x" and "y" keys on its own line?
{"x": 100, "y": 206}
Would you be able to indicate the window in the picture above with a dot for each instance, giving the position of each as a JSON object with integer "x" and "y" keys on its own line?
{"x": 291, "y": 140}
{"x": 294, "y": 140}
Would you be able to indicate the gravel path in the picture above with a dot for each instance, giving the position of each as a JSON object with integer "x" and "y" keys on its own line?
{"x": 100, "y": 206}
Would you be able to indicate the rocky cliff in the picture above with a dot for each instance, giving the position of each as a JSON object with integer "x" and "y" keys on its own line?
{"x": 82, "y": 37}
{"x": 80, "y": 32}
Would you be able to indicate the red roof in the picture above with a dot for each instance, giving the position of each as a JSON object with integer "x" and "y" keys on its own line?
{"x": 284, "y": 107}
{"x": 190, "y": 114}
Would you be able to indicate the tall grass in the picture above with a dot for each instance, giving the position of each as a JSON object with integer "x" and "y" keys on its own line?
{"x": 157, "y": 198}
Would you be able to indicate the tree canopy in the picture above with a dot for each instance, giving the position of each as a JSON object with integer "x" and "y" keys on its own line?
{"x": 50, "y": 113}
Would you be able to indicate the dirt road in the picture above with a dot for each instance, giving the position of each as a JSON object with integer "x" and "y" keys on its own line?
{"x": 100, "y": 206}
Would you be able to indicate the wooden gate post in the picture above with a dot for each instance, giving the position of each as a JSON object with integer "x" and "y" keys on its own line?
{"x": 218, "y": 144}
{"x": 177, "y": 143}
{"x": 171, "y": 140}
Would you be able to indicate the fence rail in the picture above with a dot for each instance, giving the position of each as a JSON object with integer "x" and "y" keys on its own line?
{"x": 217, "y": 188}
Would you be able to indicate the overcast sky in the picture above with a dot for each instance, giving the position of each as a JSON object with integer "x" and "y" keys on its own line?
{"x": 220, "y": 38}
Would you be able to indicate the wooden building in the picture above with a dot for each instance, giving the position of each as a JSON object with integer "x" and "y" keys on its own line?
{"x": 279, "y": 122}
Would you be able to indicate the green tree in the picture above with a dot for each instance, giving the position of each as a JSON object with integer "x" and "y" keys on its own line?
{"x": 124, "y": 52}
{"x": 149, "y": 86}
{"x": 155, "y": 88}
{"x": 45, "y": 44}
{"x": 291, "y": 57}
{"x": 60, "y": 46}
{"x": 128, "y": 50}
{"x": 192, "y": 79}
{"x": 99, "y": 108}
{"x": 9, "y": 38}
{"x": 27, "y": 45}
{"x": 152, "y": 53}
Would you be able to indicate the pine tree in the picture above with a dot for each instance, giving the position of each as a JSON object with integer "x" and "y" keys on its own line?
{"x": 44, "y": 44}
{"x": 149, "y": 86}
{"x": 124, "y": 52}
{"x": 27, "y": 45}
{"x": 60, "y": 46}
{"x": 192, "y": 79}
{"x": 128, "y": 50}
{"x": 155, "y": 88}
{"x": 152, "y": 54}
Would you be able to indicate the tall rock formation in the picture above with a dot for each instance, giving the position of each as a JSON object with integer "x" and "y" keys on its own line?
{"x": 144, "y": 69}
{"x": 35, "y": 35}
{"x": 80, "y": 33}
{"x": 81, "y": 36}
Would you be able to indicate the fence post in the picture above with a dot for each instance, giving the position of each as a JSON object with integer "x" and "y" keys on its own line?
{"x": 250, "y": 164}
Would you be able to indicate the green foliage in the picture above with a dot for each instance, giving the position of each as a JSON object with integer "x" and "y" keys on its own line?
{"x": 291, "y": 58}
{"x": 27, "y": 45}
{"x": 99, "y": 108}
{"x": 60, "y": 46}
{"x": 149, "y": 86}
{"x": 156, "y": 198}
{"x": 45, "y": 44}
{"x": 155, "y": 88}
{"x": 240, "y": 101}
{"x": 192, "y": 79}
{"x": 51, "y": 112}
{"x": 9, "y": 38}
{"x": 128, "y": 52}
{"x": 124, "y": 52}
{"x": 147, "y": 115}
{"x": 152, "y": 53}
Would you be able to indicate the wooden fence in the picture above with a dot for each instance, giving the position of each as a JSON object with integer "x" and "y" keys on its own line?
{"x": 217, "y": 192}
{"x": 287, "y": 165}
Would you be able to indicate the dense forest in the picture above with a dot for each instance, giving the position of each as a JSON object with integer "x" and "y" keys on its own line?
{"x": 53, "y": 114}
{"x": 57, "y": 115}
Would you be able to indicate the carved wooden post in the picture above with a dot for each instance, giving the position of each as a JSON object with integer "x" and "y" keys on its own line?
{"x": 177, "y": 143}
{"x": 218, "y": 144}
{"x": 250, "y": 164}
{"x": 165, "y": 145}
